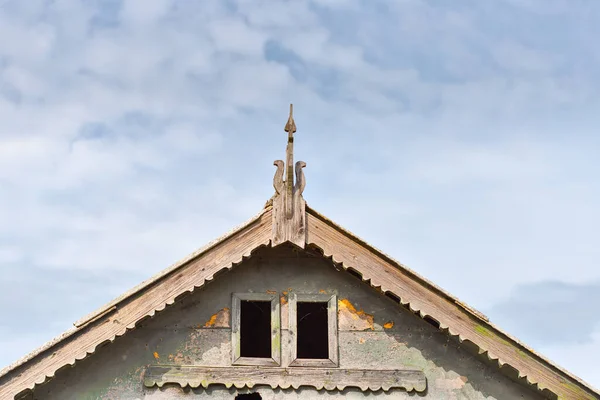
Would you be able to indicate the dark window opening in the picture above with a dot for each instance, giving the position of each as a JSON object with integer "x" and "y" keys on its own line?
{"x": 312, "y": 336}
{"x": 255, "y": 329}
{"x": 249, "y": 396}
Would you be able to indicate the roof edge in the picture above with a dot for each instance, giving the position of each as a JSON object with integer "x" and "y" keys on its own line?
{"x": 403, "y": 267}
{"x": 112, "y": 305}
{"x": 471, "y": 311}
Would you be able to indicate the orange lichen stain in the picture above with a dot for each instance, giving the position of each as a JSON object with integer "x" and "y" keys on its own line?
{"x": 218, "y": 320}
{"x": 361, "y": 340}
{"x": 388, "y": 325}
{"x": 285, "y": 292}
{"x": 353, "y": 319}
{"x": 156, "y": 355}
{"x": 211, "y": 322}
{"x": 323, "y": 291}
{"x": 271, "y": 292}
{"x": 283, "y": 300}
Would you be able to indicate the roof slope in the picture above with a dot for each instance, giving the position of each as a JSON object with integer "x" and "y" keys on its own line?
{"x": 453, "y": 316}
{"x": 345, "y": 249}
{"x": 122, "y": 314}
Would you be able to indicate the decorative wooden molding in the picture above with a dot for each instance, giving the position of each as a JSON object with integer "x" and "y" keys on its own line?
{"x": 236, "y": 357}
{"x": 332, "y": 330}
{"x": 145, "y": 300}
{"x": 289, "y": 207}
{"x": 319, "y": 378}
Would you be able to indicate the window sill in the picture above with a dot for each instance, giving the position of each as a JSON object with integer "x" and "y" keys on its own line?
{"x": 311, "y": 362}
{"x": 265, "y": 362}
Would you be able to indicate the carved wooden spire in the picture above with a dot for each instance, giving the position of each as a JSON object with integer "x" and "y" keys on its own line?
{"x": 290, "y": 128}
{"x": 289, "y": 215}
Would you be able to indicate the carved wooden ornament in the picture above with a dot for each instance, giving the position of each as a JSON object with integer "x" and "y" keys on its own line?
{"x": 289, "y": 207}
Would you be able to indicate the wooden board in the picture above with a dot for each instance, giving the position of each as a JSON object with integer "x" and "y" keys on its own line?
{"x": 236, "y": 313}
{"x": 332, "y": 330}
{"x": 319, "y": 378}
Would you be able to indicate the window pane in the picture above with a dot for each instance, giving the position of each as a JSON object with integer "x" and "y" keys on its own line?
{"x": 255, "y": 329}
{"x": 312, "y": 330}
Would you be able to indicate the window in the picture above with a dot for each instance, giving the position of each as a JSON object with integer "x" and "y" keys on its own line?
{"x": 313, "y": 329}
{"x": 249, "y": 396}
{"x": 255, "y": 334}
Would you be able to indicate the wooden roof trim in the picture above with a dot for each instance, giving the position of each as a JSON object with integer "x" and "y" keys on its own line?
{"x": 110, "y": 305}
{"x": 122, "y": 314}
{"x": 453, "y": 316}
{"x": 170, "y": 269}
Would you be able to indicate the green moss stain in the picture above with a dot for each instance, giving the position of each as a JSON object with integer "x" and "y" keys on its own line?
{"x": 575, "y": 390}
{"x": 276, "y": 342}
{"x": 522, "y": 354}
{"x": 483, "y": 330}
{"x": 486, "y": 332}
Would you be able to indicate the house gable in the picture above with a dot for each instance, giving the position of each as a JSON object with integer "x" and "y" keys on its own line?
{"x": 195, "y": 332}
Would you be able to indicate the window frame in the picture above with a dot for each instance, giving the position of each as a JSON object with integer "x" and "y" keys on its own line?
{"x": 236, "y": 358}
{"x": 332, "y": 330}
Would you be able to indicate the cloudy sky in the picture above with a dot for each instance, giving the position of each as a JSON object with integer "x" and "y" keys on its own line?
{"x": 455, "y": 135}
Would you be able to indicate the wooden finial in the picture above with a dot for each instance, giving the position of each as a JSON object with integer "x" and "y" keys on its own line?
{"x": 290, "y": 126}
{"x": 289, "y": 219}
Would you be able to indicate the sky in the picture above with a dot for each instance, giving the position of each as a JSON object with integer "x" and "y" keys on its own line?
{"x": 458, "y": 136}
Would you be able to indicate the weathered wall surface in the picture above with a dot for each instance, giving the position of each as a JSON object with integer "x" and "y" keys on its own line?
{"x": 374, "y": 332}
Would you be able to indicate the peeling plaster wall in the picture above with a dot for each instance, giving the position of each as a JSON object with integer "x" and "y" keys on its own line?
{"x": 374, "y": 332}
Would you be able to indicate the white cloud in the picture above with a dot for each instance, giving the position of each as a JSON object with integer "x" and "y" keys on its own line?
{"x": 140, "y": 12}
{"x": 129, "y": 137}
{"x": 449, "y": 162}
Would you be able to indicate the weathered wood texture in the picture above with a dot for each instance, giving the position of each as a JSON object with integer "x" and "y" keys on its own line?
{"x": 429, "y": 301}
{"x": 319, "y": 378}
{"x": 289, "y": 207}
{"x": 332, "y": 330}
{"x": 236, "y": 358}
{"x": 187, "y": 278}
{"x": 289, "y": 229}
{"x": 181, "y": 335}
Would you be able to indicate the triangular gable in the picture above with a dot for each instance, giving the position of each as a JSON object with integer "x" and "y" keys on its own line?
{"x": 345, "y": 249}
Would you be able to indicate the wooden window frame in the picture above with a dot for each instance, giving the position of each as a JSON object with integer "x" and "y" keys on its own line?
{"x": 236, "y": 358}
{"x": 332, "y": 330}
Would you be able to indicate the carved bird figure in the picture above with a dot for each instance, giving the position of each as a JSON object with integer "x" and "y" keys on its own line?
{"x": 300, "y": 181}
{"x": 278, "y": 183}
